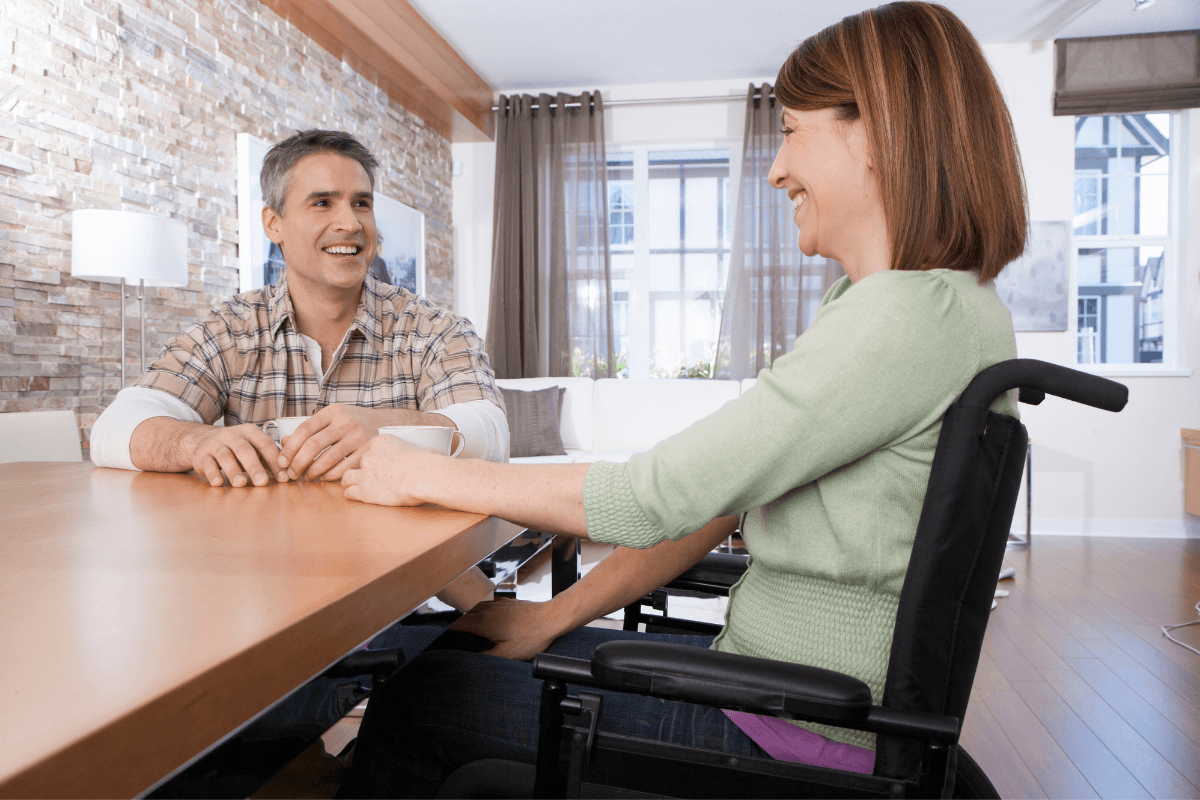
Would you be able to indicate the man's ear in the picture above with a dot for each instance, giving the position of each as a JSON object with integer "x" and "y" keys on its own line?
{"x": 272, "y": 224}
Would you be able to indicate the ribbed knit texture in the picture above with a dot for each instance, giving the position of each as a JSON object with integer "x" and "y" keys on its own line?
{"x": 623, "y": 519}
{"x": 834, "y": 625}
{"x": 828, "y": 456}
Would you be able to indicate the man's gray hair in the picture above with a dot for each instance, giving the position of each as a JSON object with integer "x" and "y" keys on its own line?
{"x": 283, "y": 156}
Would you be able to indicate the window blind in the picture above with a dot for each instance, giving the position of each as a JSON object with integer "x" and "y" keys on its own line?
{"x": 1127, "y": 74}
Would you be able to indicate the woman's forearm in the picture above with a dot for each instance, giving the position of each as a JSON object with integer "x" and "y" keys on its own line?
{"x": 544, "y": 497}
{"x": 627, "y": 574}
{"x": 522, "y": 629}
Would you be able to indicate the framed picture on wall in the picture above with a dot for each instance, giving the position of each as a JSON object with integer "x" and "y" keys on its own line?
{"x": 1035, "y": 287}
{"x": 254, "y": 248}
{"x": 400, "y": 259}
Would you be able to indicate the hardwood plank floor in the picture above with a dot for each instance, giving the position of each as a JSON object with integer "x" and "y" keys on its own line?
{"x": 1097, "y": 701}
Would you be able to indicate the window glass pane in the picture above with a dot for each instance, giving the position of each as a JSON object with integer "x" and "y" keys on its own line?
{"x": 1152, "y": 210}
{"x": 701, "y": 224}
{"x": 1120, "y": 305}
{"x": 701, "y": 273}
{"x": 620, "y": 201}
{"x": 664, "y": 212}
{"x": 701, "y": 325}
{"x": 1118, "y": 329}
{"x": 664, "y": 272}
{"x": 1114, "y": 157}
{"x": 665, "y": 343}
{"x": 1089, "y": 321}
{"x": 1087, "y": 202}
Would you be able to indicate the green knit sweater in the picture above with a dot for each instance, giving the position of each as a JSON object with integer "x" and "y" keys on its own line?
{"x": 827, "y": 456}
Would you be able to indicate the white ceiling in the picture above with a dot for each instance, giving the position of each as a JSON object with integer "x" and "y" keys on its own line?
{"x": 527, "y": 44}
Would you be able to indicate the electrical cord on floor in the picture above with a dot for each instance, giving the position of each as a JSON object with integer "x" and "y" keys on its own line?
{"x": 1167, "y": 628}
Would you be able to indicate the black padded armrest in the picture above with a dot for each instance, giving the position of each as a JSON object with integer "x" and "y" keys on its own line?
{"x": 725, "y": 680}
{"x": 714, "y": 574}
{"x": 717, "y": 567}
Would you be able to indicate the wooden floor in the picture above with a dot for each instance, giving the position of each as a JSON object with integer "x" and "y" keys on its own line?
{"x": 1078, "y": 693}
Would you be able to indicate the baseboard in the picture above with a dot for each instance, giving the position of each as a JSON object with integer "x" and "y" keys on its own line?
{"x": 1187, "y": 528}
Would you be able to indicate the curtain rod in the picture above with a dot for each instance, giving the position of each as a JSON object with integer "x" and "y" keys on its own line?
{"x": 715, "y": 98}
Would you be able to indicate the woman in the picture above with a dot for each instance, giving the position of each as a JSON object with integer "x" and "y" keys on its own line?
{"x": 900, "y": 161}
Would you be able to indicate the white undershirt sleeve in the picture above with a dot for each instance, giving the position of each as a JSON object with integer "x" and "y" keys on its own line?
{"x": 132, "y": 407}
{"x": 482, "y": 423}
{"x": 485, "y": 427}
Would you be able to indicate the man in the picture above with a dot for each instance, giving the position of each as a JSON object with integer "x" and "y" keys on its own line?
{"x": 328, "y": 341}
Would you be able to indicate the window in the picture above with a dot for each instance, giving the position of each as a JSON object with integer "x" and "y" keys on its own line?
{"x": 669, "y": 242}
{"x": 1125, "y": 237}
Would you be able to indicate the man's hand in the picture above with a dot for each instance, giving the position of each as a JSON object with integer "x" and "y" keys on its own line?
{"x": 243, "y": 452}
{"x": 389, "y": 470}
{"x": 519, "y": 628}
{"x": 334, "y": 439}
{"x": 329, "y": 442}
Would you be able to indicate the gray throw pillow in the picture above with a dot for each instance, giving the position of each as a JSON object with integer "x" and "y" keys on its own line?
{"x": 533, "y": 420}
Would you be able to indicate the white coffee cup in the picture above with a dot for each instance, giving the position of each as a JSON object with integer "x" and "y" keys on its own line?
{"x": 277, "y": 429}
{"x": 432, "y": 437}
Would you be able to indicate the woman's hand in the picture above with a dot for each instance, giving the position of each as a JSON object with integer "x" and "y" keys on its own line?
{"x": 388, "y": 473}
{"x": 520, "y": 629}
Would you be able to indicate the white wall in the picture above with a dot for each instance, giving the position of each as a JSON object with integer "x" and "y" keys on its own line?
{"x": 1094, "y": 472}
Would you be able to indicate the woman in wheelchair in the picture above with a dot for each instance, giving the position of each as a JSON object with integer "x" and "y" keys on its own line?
{"x": 901, "y": 163}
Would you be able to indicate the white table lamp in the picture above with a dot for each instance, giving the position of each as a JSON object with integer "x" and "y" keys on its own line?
{"x": 110, "y": 245}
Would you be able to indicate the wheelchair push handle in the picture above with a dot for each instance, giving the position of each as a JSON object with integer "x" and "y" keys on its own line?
{"x": 1036, "y": 379}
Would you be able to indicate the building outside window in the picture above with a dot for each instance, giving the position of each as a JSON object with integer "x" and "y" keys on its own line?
{"x": 669, "y": 235}
{"x": 1126, "y": 237}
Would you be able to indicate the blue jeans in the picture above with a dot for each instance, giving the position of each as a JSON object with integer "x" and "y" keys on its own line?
{"x": 450, "y": 707}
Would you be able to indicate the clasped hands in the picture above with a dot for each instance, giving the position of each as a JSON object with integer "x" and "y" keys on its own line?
{"x": 324, "y": 447}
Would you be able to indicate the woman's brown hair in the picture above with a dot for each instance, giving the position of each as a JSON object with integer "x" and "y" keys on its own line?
{"x": 941, "y": 139}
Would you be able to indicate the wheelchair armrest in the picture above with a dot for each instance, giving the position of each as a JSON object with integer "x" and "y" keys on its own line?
{"x": 725, "y": 680}
{"x": 715, "y": 574}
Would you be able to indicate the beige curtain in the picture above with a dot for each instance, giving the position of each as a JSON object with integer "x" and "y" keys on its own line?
{"x": 551, "y": 299}
{"x": 774, "y": 290}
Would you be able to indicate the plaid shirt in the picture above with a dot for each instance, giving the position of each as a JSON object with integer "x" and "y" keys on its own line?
{"x": 246, "y": 360}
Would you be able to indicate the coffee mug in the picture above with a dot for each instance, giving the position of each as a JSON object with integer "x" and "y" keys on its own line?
{"x": 432, "y": 437}
{"x": 277, "y": 429}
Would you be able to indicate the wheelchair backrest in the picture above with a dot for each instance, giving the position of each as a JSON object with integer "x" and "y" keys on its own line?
{"x": 960, "y": 541}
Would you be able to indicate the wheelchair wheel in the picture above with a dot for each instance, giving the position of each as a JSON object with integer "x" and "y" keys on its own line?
{"x": 970, "y": 782}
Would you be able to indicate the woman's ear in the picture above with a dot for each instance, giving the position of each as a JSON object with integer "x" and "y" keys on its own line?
{"x": 860, "y": 146}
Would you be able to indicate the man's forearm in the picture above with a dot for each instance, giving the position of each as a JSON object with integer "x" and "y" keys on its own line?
{"x": 628, "y": 574}
{"x": 163, "y": 444}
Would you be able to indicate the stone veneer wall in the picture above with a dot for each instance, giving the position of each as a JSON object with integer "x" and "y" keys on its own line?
{"x": 136, "y": 105}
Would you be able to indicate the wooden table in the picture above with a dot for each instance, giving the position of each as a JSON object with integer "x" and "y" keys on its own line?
{"x": 143, "y": 617}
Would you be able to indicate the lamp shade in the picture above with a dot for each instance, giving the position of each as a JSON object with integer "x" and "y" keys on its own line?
{"x": 107, "y": 245}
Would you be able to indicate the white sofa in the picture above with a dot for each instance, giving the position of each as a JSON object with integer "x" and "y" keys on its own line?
{"x": 612, "y": 418}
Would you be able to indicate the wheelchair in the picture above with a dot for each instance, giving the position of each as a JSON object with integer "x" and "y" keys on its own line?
{"x": 940, "y": 623}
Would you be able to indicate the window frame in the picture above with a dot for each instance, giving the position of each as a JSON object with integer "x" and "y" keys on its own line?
{"x": 638, "y": 308}
{"x": 1174, "y": 244}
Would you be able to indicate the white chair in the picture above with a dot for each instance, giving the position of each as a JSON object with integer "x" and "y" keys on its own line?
{"x": 39, "y": 436}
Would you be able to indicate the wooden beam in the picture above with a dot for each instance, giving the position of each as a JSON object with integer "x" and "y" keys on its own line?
{"x": 391, "y": 45}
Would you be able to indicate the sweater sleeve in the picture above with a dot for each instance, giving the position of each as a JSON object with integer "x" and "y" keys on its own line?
{"x": 880, "y": 363}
